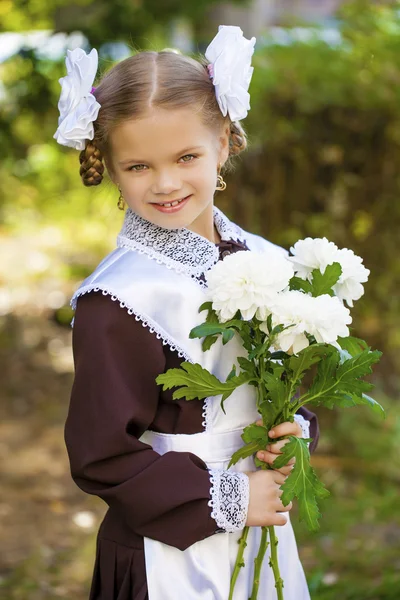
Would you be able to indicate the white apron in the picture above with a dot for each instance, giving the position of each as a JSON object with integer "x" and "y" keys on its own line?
{"x": 162, "y": 292}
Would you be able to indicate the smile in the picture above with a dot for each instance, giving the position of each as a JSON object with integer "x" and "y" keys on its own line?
{"x": 171, "y": 206}
{"x": 173, "y": 203}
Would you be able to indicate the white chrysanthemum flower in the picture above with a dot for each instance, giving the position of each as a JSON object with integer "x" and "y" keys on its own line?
{"x": 324, "y": 317}
{"x": 318, "y": 253}
{"x": 312, "y": 253}
{"x": 247, "y": 281}
{"x": 349, "y": 287}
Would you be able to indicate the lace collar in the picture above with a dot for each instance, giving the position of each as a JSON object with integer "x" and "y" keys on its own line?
{"x": 179, "y": 249}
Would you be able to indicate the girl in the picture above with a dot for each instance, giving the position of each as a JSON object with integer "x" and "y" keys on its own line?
{"x": 164, "y": 125}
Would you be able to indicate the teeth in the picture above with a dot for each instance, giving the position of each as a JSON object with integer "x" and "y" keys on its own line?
{"x": 169, "y": 204}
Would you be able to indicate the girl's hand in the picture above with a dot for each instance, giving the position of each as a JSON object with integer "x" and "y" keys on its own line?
{"x": 272, "y": 451}
{"x": 265, "y": 505}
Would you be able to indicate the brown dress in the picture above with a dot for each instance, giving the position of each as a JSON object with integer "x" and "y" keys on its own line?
{"x": 114, "y": 400}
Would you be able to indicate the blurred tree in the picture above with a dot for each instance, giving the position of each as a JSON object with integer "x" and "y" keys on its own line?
{"x": 101, "y": 20}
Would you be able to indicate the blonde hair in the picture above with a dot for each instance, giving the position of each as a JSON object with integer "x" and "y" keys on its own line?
{"x": 160, "y": 79}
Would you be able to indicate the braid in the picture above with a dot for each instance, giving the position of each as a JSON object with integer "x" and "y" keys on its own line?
{"x": 92, "y": 167}
{"x": 237, "y": 139}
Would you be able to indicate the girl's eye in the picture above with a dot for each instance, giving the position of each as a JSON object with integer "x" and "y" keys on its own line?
{"x": 191, "y": 157}
{"x": 137, "y": 168}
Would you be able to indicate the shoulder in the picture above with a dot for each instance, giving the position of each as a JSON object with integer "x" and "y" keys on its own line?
{"x": 101, "y": 321}
{"x": 98, "y": 311}
{"x": 103, "y": 275}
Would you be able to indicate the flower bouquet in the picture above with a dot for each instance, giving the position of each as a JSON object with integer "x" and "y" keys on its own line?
{"x": 289, "y": 313}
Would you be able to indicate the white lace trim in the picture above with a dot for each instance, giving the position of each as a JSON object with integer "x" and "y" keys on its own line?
{"x": 179, "y": 249}
{"x": 146, "y": 321}
{"x": 207, "y": 414}
{"x": 229, "y": 499}
{"x": 305, "y": 426}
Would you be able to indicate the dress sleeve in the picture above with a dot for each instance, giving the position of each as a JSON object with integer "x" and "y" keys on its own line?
{"x": 312, "y": 418}
{"x": 114, "y": 400}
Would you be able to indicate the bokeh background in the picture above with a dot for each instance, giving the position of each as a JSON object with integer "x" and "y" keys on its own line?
{"x": 323, "y": 159}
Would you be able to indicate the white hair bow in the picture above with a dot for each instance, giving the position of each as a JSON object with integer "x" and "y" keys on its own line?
{"x": 230, "y": 56}
{"x": 77, "y": 105}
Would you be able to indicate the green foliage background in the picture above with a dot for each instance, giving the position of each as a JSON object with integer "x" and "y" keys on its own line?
{"x": 323, "y": 160}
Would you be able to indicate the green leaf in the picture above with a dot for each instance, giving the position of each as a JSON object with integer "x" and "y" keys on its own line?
{"x": 337, "y": 399}
{"x": 259, "y": 463}
{"x": 302, "y": 482}
{"x": 279, "y": 355}
{"x": 306, "y": 358}
{"x": 246, "y": 364}
{"x": 227, "y": 335}
{"x": 208, "y": 341}
{"x": 260, "y": 349}
{"x": 353, "y": 345}
{"x": 213, "y": 327}
{"x": 322, "y": 283}
{"x": 253, "y": 433}
{"x": 271, "y": 413}
{"x": 277, "y": 389}
{"x": 212, "y": 316}
{"x": 232, "y": 373}
{"x": 225, "y": 395}
{"x": 244, "y": 452}
{"x": 246, "y": 335}
{"x": 368, "y": 401}
{"x": 358, "y": 366}
{"x": 256, "y": 438}
{"x": 279, "y": 328}
{"x": 196, "y": 382}
{"x": 206, "y": 329}
{"x": 325, "y": 377}
{"x": 340, "y": 383}
{"x": 205, "y": 306}
{"x": 296, "y": 283}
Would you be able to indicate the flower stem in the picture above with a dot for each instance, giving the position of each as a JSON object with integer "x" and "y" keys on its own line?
{"x": 274, "y": 562}
{"x": 239, "y": 561}
{"x": 258, "y": 562}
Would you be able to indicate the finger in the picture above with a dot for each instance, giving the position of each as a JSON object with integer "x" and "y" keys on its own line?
{"x": 279, "y": 519}
{"x": 270, "y": 457}
{"x": 277, "y": 447}
{"x": 259, "y": 422}
{"x": 281, "y": 508}
{"x": 278, "y": 477}
{"x": 267, "y": 457}
{"x": 286, "y": 428}
{"x": 286, "y": 470}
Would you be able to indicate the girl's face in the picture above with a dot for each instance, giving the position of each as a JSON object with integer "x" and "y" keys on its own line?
{"x": 165, "y": 157}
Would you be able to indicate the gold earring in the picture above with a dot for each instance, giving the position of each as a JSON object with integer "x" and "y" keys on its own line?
{"x": 221, "y": 185}
{"x": 121, "y": 201}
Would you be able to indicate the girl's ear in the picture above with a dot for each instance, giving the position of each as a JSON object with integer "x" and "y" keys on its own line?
{"x": 224, "y": 144}
{"x": 110, "y": 170}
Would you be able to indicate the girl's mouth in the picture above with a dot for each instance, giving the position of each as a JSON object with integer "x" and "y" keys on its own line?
{"x": 171, "y": 207}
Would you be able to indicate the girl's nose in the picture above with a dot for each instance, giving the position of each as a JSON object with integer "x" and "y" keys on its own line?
{"x": 166, "y": 182}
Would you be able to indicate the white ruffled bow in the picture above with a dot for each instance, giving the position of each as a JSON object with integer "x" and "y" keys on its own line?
{"x": 230, "y": 56}
{"x": 77, "y": 105}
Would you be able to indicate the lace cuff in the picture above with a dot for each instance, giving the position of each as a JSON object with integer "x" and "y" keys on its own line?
{"x": 305, "y": 426}
{"x": 229, "y": 499}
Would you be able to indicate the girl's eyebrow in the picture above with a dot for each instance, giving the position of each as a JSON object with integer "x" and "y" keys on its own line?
{"x": 181, "y": 153}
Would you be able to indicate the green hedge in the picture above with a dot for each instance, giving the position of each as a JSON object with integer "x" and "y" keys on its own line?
{"x": 324, "y": 157}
